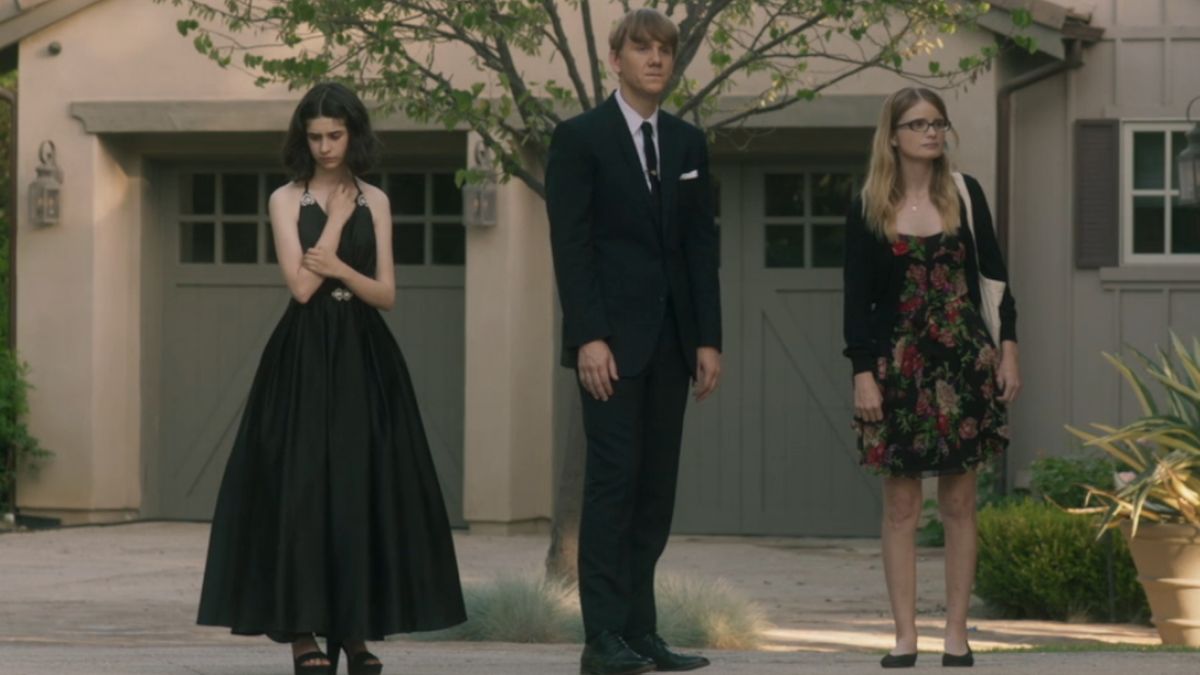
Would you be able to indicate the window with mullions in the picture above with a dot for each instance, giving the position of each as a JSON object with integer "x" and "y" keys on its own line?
{"x": 427, "y": 227}
{"x": 804, "y": 215}
{"x": 1155, "y": 226}
{"x": 223, "y": 217}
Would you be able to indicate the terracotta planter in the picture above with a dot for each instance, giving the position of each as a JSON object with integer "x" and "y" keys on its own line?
{"x": 1168, "y": 564}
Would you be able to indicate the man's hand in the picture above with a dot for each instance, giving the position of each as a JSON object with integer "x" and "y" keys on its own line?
{"x": 597, "y": 369}
{"x": 708, "y": 372}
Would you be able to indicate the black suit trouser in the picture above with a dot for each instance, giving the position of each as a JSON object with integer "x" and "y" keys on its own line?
{"x": 633, "y": 443}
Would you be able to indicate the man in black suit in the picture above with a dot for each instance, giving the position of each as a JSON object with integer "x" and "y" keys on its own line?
{"x": 635, "y": 254}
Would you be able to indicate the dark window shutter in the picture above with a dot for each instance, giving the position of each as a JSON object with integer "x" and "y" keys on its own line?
{"x": 1097, "y": 193}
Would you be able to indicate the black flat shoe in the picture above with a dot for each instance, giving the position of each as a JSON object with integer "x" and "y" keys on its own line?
{"x": 607, "y": 654}
{"x": 655, "y": 648}
{"x": 959, "y": 660}
{"x": 898, "y": 660}
{"x": 307, "y": 663}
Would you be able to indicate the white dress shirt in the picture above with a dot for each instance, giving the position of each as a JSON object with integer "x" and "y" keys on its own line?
{"x": 634, "y": 120}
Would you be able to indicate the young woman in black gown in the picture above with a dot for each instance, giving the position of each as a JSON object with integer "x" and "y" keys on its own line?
{"x": 930, "y": 386}
{"x": 330, "y": 521}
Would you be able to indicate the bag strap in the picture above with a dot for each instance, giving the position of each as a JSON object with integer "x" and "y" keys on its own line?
{"x": 965, "y": 196}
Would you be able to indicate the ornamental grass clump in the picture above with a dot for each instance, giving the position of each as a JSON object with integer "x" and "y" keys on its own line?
{"x": 1158, "y": 454}
{"x": 692, "y": 612}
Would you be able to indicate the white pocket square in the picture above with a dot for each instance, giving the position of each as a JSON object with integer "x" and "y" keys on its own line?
{"x": 690, "y": 175}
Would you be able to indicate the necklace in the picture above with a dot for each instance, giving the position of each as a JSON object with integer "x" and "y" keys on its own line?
{"x": 913, "y": 207}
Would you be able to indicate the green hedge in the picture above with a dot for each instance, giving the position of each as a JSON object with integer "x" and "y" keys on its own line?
{"x": 1039, "y": 562}
{"x": 1061, "y": 479}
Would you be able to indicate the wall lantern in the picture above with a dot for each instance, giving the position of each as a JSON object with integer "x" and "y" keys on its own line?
{"x": 45, "y": 192}
{"x": 1189, "y": 164}
{"x": 479, "y": 199}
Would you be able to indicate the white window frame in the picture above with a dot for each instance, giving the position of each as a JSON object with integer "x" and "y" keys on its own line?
{"x": 1128, "y": 257}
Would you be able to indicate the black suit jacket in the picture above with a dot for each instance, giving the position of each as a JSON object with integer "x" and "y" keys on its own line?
{"x": 617, "y": 258}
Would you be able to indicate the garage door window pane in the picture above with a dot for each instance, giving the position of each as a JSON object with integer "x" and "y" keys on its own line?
{"x": 271, "y": 256}
{"x": 196, "y": 243}
{"x": 828, "y": 245}
{"x": 785, "y": 194}
{"x": 1148, "y": 231}
{"x": 408, "y": 244}
{"x": 447, "y": 197}
{"x": 406, "y": 191}
{"x": 274, "y": 182}
{"x": 239, "y": 193}
{"x": 239, "y": 242}
{"x": 831, "y": 195}
{"x": 449, "y": 244}
{"x": 785, "y": 246}
{"x": 199, "y": 194}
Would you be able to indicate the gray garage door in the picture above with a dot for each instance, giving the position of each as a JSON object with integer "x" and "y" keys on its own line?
{"x": 222, "y": 295}
{"x": 773, "y": 452}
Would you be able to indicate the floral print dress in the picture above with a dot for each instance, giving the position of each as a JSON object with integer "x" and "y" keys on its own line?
{"x": 940, "y": 411}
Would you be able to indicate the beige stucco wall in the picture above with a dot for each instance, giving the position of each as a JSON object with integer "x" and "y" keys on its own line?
{"x": 511, "y": 341}
{"x": 80, "y": 296}
{"x": 79, "y": 283}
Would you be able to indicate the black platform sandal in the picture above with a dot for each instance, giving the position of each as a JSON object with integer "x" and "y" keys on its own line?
{"x": 356, "y": 664}
{"x": 308, "y": 663}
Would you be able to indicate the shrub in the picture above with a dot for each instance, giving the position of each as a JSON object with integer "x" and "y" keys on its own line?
{"x": 1039, "y": 562}
{"x": 17, "y": 448}
{"x": 1063, "y": 480}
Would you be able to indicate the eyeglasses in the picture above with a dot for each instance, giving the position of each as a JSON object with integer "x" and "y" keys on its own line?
{"x": 921, "y": 126}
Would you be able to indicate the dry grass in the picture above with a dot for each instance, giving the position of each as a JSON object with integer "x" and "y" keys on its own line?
{"x": 692, "y": 612}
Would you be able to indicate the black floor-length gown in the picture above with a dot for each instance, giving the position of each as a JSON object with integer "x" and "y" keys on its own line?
{"x": 330, "y": 519}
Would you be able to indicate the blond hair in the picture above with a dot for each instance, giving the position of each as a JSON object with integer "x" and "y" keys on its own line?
{"x": 643, "y": 26}
{"x": 884, "y": 187}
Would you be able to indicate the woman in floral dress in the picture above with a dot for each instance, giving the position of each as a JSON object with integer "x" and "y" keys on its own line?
{"x": 930, "y": 386}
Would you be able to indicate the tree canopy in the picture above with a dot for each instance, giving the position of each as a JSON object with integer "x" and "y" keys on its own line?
{"x": 391, "y": 52}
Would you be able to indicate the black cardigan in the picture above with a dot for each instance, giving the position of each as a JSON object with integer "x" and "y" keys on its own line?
{"x": 874, "y": 278}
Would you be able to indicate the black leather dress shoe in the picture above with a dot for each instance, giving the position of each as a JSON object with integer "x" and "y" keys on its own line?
{"x": 607, "y": 654}
{"x": 654, "y": 648}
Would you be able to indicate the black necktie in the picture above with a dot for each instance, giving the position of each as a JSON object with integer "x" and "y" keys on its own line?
{"x": 651, "y": 157}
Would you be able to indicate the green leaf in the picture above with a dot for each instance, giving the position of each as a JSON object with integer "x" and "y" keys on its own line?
{"x": 186, "y": 25}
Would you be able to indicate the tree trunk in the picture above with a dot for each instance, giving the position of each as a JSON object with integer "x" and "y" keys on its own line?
{"x": 562, "y": 560}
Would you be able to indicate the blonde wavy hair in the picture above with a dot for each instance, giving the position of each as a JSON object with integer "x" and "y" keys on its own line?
{"x": 884, "y": 187}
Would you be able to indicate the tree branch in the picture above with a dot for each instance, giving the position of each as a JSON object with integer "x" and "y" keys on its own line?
{"x": 585, "y": 11}
{"x": 791, "y": 100}
{"x": 746, "y": 59}
{"x": 564, "y": 47}
{"x": 692, "y": 30}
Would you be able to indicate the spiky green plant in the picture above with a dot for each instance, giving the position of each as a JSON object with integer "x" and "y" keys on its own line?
{"x": 1161, "y": 449}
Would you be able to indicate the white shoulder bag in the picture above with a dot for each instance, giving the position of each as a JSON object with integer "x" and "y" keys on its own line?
{"x": 991, "y": 291}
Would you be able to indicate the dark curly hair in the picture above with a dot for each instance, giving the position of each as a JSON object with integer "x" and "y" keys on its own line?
{"x": 336, "y": 101}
